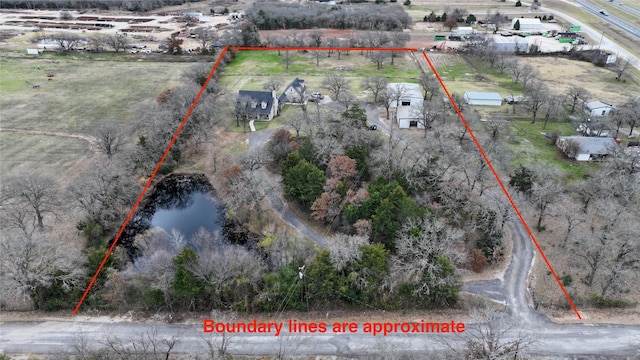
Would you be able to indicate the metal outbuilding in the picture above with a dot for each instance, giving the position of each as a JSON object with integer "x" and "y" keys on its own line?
{"x": 482, "y": 98}
{"x": 511, "y": 44}
{"x": 527, "y": 23}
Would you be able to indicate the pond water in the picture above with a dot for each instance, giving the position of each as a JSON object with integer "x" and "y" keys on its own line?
{"x": 184, "y": 202}
{"x": 199, "y": 210}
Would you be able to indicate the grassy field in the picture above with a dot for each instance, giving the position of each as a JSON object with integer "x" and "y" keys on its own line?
{"x": 251, "y": 69}
{"x": 82, "y": 93}
{"x": 23, "y": 153}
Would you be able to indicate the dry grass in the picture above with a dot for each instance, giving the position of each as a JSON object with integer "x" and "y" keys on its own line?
{"x": 565, "y": 262}
{"x": 560, "y": 73}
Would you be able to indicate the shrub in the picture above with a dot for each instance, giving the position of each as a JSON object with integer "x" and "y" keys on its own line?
{"x": 478, "y": 260}
{"x": 605, "y": 302}
{"x": 566, "y": 280}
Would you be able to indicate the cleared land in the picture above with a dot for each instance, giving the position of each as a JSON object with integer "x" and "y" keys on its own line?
{"x": 80, "y": 94}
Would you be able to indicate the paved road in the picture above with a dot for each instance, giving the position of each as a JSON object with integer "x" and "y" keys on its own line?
{"x": 623, "y": 25}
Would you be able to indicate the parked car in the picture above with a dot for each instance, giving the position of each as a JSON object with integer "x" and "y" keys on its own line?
{"x": 373, "y": 127}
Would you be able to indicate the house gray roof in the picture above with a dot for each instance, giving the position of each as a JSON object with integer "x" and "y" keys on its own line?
{"x": 593, "y": 145}
{"x": 257, "y": 97}
{"x": 295, "y": 84}
{"x": 475, "y": 95}
{"x": 597, "y": 105}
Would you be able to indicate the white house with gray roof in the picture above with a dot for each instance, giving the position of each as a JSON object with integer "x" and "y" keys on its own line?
{"x": 598, "y": 108}
{"x": 584, "y": 148}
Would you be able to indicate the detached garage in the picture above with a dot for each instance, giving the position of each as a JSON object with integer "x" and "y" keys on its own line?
{"x": 483, "y": 98}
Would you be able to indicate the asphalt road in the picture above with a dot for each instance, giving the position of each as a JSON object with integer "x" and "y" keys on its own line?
{"x": 623, "y": 25}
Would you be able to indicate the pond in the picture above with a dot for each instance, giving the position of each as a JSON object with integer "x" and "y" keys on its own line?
{"x": 184, "y": 202}
{"x": 199, "y": 210}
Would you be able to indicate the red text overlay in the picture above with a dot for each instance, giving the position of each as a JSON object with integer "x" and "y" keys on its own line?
{"x": 295, "y": 326}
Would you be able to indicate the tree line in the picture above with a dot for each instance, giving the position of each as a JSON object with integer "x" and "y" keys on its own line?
{"x": 278, "y": 15}
{"x": 129, "y": 5}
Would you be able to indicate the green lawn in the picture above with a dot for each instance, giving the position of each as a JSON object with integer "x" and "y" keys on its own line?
{"x": 534, "y": 147}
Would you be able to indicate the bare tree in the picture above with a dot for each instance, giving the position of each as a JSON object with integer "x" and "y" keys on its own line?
{"x": 29, "y": 262}
{"x": 516, "y": 69}
{"x": 336, "y": 84}
{"x": 491, "y": 339}
{"x": 542, "y": 195}
{"x": 430, "y": 85}
{"x": 527, "y": 73}
{"x": 205, "y": 37}
{"x": 96, "y": 42}
{"x": 273, "y": 84}
{"x": 66, "y": 41}
{"x": 38, "y": 193}
{"x": 379, "y": 57}
{"x": 572, "y": 212}
{"x": 537, "y": 95}
{"x": 142, "y": 346}
{"x": 315, "y": 40}
{"x": 103, "y": 192}
{"x": 551, "y": 108}
{"x": 427, "y": 113}
{"x": 575, "y": 95}
{"x": 376, "y": 85}
{"x": 621, "y": 66}
{"x": 110, "y": 137}
{"x": 117, "y": 42}
{"x": 630, "y": 112}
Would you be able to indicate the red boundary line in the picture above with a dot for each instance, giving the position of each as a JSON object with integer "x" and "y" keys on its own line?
{"x": 504, "y": 189}
{"x": 237, "y": 48}
{"x": 146, "y": 186}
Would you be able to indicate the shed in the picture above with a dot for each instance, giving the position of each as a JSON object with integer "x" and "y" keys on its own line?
{"x": 597, "y": 108}
{"x": 584, "y": 148}
{"x": 527, "y": 23}
{"x": 511, "y": 44}
{"x": 483, "y": 98}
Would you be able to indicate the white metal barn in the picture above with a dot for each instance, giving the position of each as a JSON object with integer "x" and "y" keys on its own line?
{"x": 511, "y": 44}
{"x": 527, "y": 23}
{"x": 483, "y": 98}
{"x": 409, "y": 104}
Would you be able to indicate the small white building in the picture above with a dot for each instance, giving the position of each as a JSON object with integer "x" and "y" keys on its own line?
{"x": 598, "y": 108}
{"x": 511, "y": 44}
{"x": 483, "y": 98}
{"x": 409, "y": 104}
{"x": 527, "y": 23}
{"x": 464, "y": 30}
